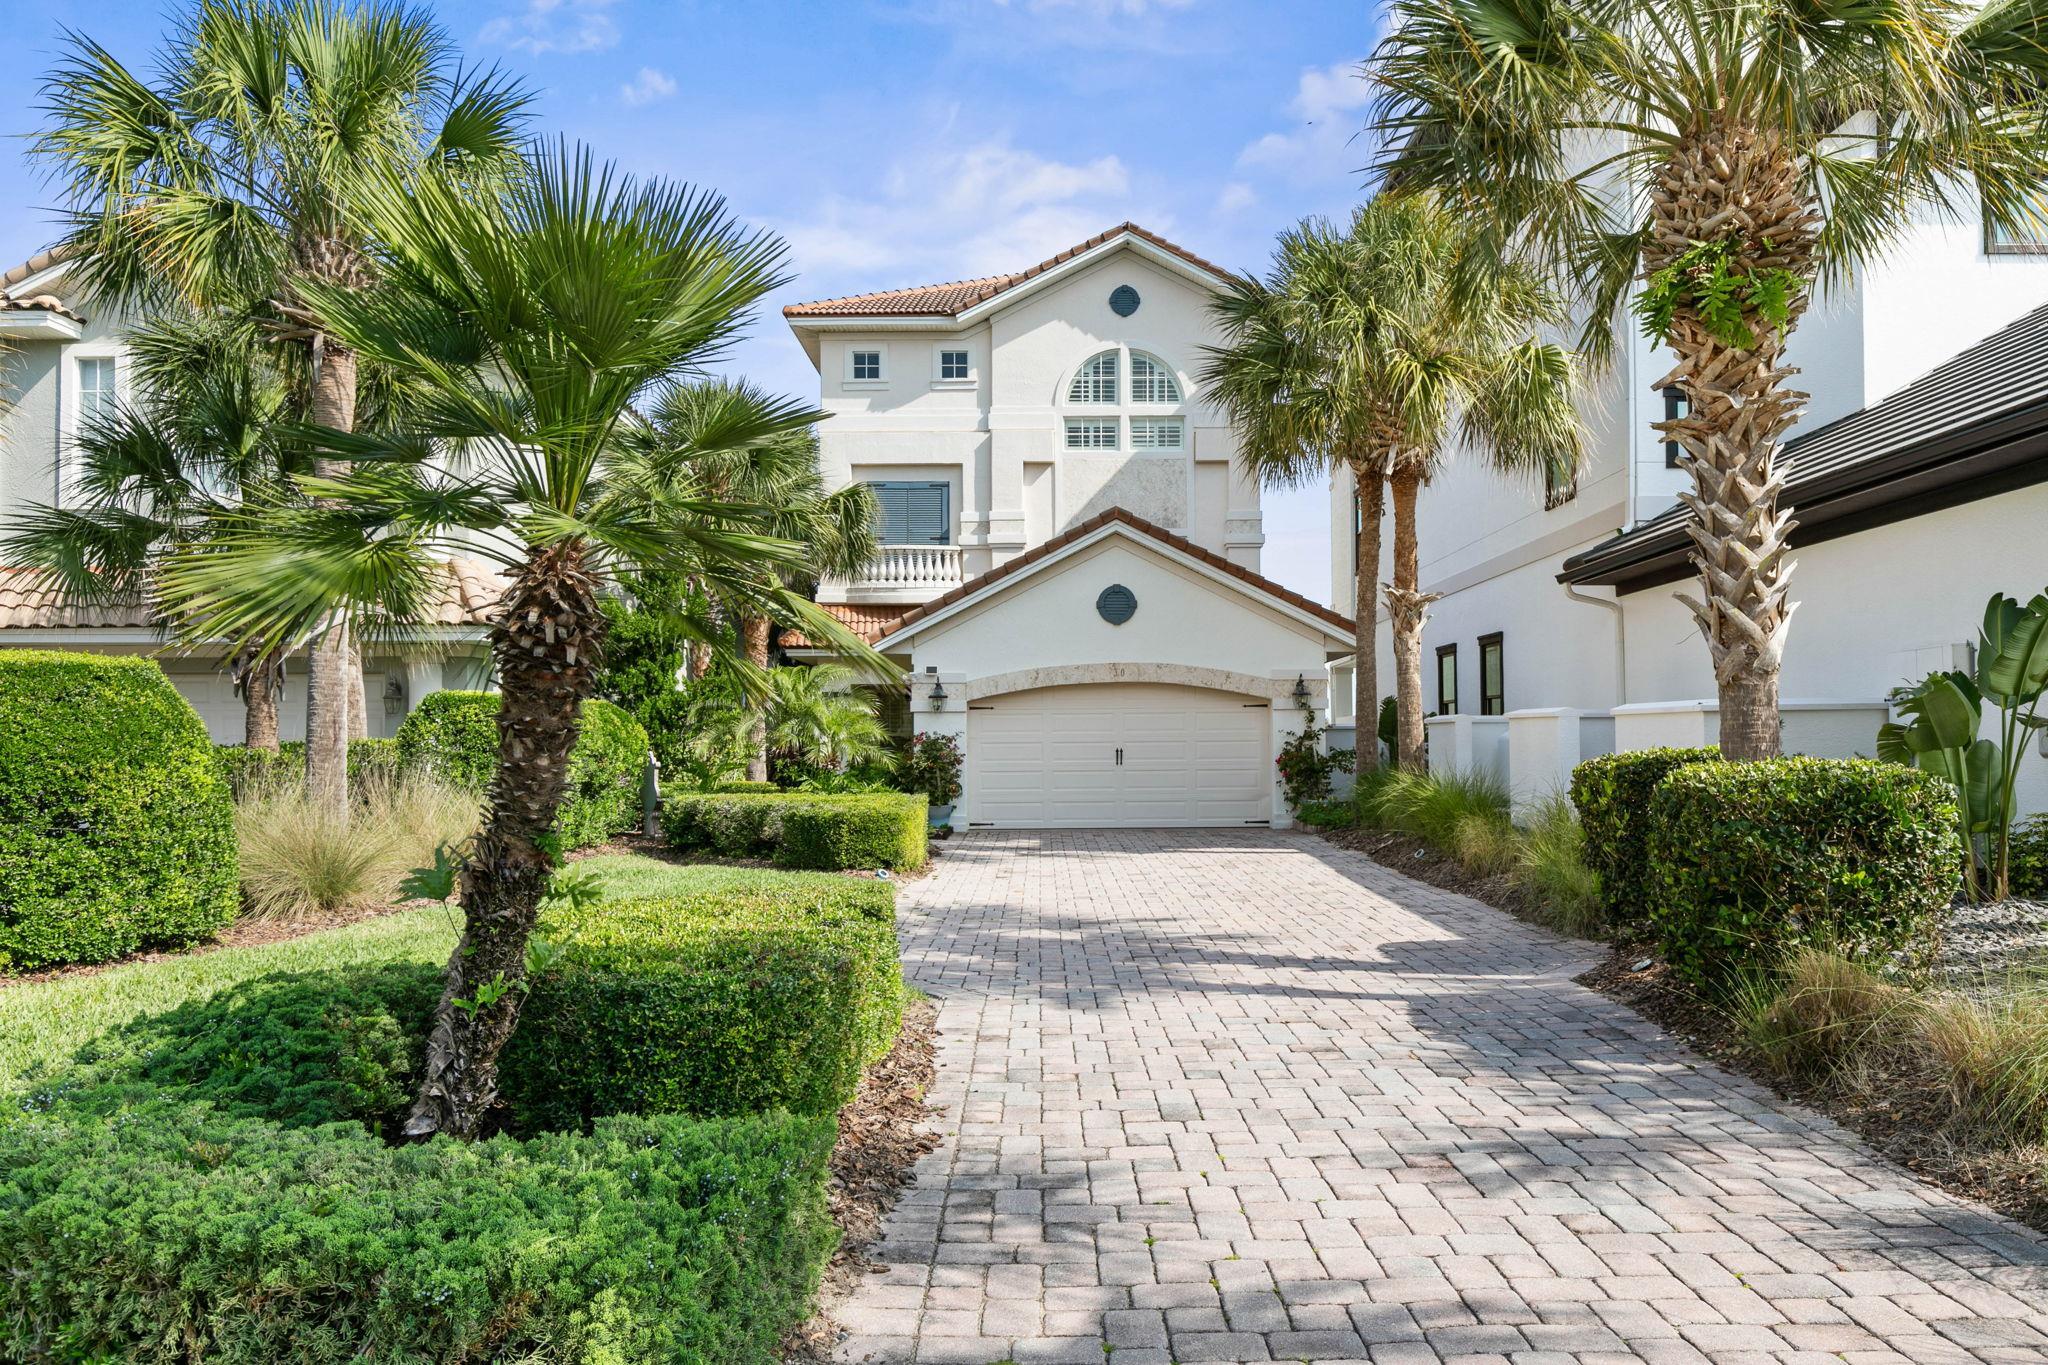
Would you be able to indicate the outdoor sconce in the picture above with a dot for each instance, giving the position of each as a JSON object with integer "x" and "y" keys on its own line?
{"x": 938, "y": 694}
{"x": 394, "y": 696}
{"x": 1301, "y": 687}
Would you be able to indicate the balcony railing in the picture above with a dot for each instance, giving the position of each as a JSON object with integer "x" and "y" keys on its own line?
{"x": 900, "y": 573}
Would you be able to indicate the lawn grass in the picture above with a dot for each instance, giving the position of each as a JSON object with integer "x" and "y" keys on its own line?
{"x": 42, "y": 1024}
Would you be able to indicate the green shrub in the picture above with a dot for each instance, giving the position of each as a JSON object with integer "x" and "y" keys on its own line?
{"x": 116, "y": 826}
{"x": 1554, "y": 873}
{"x": 455, "y": 736}
{"x": 802, "y": 830}
{"x": 1431, "y": 806}
{"x": 172, "y": 1233}
{"x": 1612, "y": 796}
{"x": 1750, "y": 860}
{"x": 370, "y": 761}
{"x": 722, "y": 1003}
{"x": 1327, "y": 814}
{"x": 735, "y": 788}
{"x": 2030, "y": 857}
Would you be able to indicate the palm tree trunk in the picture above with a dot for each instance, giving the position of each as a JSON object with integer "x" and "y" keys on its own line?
{"x": 545, "y": 641}
{"x": 1407, "y": 609}
{"x": 1727, "y": 182}
{"x": 259, "y": 704}
{"x": 754, "y": 641}
{"x": 328, "y": 688}
{"x": 1370, "y": 485}
{"x": 358, "y": 704}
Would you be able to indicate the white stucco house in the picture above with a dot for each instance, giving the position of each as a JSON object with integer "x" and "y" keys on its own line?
{"x": 1920, "y": 479}
{"x": 64, "y": 359}
{"x": 1071, "y": 570}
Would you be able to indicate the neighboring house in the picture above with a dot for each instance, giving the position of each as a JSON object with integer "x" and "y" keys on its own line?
{"x": 1919, "y": 476}
{"x": 1071, "y": 568}
{"x": 61, "y": 362}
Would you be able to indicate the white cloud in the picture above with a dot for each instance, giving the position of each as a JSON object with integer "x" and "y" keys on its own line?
{"x": 947, "y": 213}
{"x": 1328, "y": 106}
{"x": 647, "y": 87}
{"x": 555, "y": 26}
{"x": 1235, "y": 197}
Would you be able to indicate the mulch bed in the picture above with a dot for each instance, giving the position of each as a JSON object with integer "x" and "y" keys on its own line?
{"x": 1905, "y": 1117}
{"x": 881, "y": 1136}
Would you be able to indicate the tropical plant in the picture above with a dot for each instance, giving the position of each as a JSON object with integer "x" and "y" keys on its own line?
{"x": 816, "y": 716}
{"x": 1730, "y": 157}
{"x": 206, "y": 435}
{"x": 1945, "y": 723}
{"x": 932, "y": 766}
{"x": 536, "y": 314}
{"x": 1382, "y": 346}
{"x": 228, "y": 185}
{"x": 777, "y": 474}
{"x": 1306, "y": 767}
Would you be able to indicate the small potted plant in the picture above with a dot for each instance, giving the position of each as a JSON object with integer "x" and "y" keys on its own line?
{"x": 933, "y": 767}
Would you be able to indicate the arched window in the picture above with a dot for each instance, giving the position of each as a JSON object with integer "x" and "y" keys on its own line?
{"x": 1151, "y": 380}
{"x": 1095, "y": 382}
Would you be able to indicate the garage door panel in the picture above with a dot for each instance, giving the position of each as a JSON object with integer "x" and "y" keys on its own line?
{"x": 1049, "y": 758}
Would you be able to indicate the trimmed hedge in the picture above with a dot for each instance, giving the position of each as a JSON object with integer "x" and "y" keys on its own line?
{"x": 722, "y": 1003}
{"x": 1748, "y": 860}
{"x": 173, "y": 1233}
{"x": 735, "y": 788}
{"x": 245, "y": 768}
{"x": 803, "y": 830}
{"x": 455, "y": 734}
{"x": 117, "y": 830}
{"x": 2029, "y": 851}
{"x": 1612, "y": 796}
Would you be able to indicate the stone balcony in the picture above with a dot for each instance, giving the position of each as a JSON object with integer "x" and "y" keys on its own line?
{"x": 900, "y": 573}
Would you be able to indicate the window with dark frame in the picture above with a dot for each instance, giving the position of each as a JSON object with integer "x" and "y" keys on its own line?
{"x": 1447, "y": 680}
{"x": 913, "y": 513}
{"x": 952, "y": 364}
{"x": 1676, "y": 405}
{"x": 1492, "y": 676}
{"x": 867, "y": 365}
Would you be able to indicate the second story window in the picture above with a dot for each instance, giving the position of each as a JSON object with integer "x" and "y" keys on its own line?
{"x": 1090, "y": 433}
{"x": 953, "y": 365}
{"x": 1151, "y": 381}
{"x": 1676, "y": 405}
{"x": 1095, "y": 382}
{"x": 2027, "y": 236}
{"x": 1156, "y": 433}
{"x": 914, "y": 513}
{"x": 864, "y": 367}
{"x": 96, "y": 400}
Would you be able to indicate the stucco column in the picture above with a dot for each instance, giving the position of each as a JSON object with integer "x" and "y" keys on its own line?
{"x": 1286, "y": 724}
{"x": 1009, "y": 447}
{"x": 1243, "y": 523}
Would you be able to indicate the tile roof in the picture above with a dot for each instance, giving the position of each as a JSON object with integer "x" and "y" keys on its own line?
{"x": 1335, "y": 619}
{"x": 1902, "y": 449}
{"x": 469, "y": 591}
{"x": 35, "y": 303}
{"x": 34, "y": 265}
{"x": 867, "y": 620}
{"x": 957, "y": 296}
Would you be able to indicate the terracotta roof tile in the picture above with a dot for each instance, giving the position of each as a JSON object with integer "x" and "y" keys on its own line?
{"x": 1143, "y": 527}
{"x": 866, "y": 620}
{"x": 470, "y": 591}
{"x": 35, "y": 303}
{"x": 952, "y": 299}
{"x": 34, "y": 265}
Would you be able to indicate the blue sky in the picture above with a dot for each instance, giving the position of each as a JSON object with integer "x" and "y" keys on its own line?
{"x": 895, "y": 142}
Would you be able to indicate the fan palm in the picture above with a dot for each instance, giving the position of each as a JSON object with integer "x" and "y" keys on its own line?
{"x": 534, "y": 316}
{"x": 208, "y": 436}
{"x": 1380, "y": 346}
{"x": 812, "y": 714}
{"x": 224, "y": 184}
{"x": 1728, "y": 158}
{"x": 778, "y": 475}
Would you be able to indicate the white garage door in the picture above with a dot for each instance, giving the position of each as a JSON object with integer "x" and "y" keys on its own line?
{"x": 1118, "y": 754}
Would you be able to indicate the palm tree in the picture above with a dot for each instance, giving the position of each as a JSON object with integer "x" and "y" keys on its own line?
{"x": 208, "y": 436}
{"x": 813, "y": 715}
{"x": 225, "y": 185}
{"x": 535, "y": 316}
{"x": 1726, "y": 158}
{"x": 1385, "y": 345}
{"x": 780, "y": 476}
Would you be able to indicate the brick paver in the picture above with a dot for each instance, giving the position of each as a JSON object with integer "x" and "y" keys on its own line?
{"x": 1223, "y": 1096}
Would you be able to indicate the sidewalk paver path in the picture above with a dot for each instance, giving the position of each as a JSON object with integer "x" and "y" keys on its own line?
{"x": 1223, "y": 1096}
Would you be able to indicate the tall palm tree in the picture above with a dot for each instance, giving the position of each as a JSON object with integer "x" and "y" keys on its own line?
{"x": 535, "y": 315}
{"x": 209, "y": 434}
{"x": 1727, "y": 158}
{"x": 224, "y": 184}
{"x": 779, "y": 476}
{"x": 1386, "y": 344}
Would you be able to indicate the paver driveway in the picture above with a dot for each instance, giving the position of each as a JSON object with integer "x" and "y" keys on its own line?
{"x": 1246, "y": 1096}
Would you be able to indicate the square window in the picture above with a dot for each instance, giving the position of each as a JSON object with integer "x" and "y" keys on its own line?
{"x": 913, "y": 513}
{"x": 1089, "y": 433}
{"x": 953, "y": 365}
{"x": 866, "y": 365}
{"x": 1156, "y": 433}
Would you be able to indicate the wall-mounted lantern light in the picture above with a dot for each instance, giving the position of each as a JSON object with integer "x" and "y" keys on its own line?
{"x": 394, "y": 696}
{"x": 938, "y": 696}
{"x": 1300, "y": 687}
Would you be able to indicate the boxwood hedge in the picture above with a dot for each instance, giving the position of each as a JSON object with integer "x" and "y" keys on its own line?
{"x": 455, "y": 734}
{"x": 369, "y": 760}
{"x": 116, "y": 826}
{"x": 1612, "y": 796}
{"x": 171, "y": 1232}
{"x": 802, "y": 830}
{"x": 1750, "y": 859}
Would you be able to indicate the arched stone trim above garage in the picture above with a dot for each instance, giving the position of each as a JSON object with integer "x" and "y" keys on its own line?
{"x": 1175, "y": 675}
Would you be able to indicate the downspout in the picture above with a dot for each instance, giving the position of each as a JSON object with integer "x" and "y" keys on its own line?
{"x": 1620, "y": 637}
